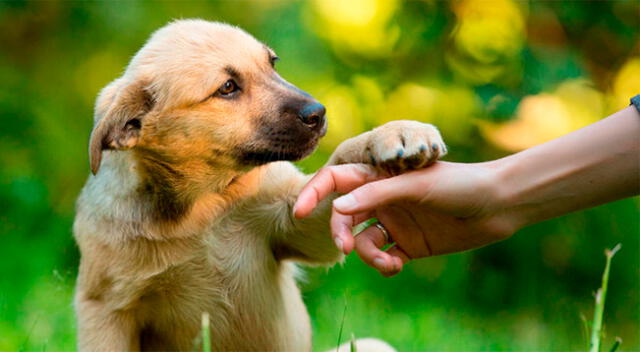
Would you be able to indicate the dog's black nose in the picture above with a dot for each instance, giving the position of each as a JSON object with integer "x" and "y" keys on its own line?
{"x": 312, "y": 115}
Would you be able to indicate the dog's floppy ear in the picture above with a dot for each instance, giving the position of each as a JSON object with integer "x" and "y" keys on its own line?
{"x": 119, "y": 113}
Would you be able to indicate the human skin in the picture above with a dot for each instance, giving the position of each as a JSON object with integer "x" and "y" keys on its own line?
{"x": 452, "y": 207}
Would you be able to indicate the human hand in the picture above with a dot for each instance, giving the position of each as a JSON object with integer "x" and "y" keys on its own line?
{"x": 445, "y": 208}
{"x": 451, "y": 207}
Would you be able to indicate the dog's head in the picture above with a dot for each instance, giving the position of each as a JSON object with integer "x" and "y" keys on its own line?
{"x": 204, "y": 93}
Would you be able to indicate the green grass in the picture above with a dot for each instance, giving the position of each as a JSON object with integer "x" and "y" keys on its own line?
{"x": 352, "y": 344}
{"x": 206, "y": 333}
{"x": 597, "y": 332}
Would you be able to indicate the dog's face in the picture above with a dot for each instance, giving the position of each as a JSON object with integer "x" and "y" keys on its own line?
{"x": 203, "y": 93}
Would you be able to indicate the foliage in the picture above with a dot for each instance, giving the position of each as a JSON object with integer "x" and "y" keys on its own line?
{"x": 495, "y": 76}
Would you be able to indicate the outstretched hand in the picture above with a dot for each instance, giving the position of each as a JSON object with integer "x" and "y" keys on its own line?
{"x": 451, "y": 207}
{"x": 445, "y": 208}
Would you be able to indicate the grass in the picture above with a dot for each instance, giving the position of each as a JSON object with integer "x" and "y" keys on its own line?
{"x": 352, "y": 345}
{"x": 47, "y": 319}
{"x": 600, "y": 297}
{"x": 596, "y": 332}
{"x": 206, "y": 333}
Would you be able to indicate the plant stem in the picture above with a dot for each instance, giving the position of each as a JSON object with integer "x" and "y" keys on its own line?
{"x": 344, "y": 314}
{"x": 601, "y": 295}
{"x": 616, "y": 344}
{"x": 206, "y": 333}
{"x": 585, "y": 329}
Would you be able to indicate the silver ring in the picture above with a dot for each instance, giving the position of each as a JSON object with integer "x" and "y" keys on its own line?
{"x": 385, "y": 233}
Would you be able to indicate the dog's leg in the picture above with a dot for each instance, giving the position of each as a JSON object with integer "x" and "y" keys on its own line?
{"x": 306, "y": 240}
{"x": 100, "y": 329}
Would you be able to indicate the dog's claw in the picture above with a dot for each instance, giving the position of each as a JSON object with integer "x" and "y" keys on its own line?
{"x": 372, "y": 159}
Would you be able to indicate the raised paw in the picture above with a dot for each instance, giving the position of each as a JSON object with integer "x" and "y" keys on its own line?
{"x": 402, "y": 145}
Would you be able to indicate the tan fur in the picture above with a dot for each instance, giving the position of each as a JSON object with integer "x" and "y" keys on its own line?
{"x": 172, "y": 224}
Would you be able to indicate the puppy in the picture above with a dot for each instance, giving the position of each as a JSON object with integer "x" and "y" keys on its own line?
{"x": 188, "y": 208}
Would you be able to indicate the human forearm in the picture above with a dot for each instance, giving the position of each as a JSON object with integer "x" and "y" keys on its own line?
{"x": 588, "y": 167}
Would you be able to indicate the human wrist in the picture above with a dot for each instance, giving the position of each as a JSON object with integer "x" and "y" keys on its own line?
{"x": 506, "y": 194}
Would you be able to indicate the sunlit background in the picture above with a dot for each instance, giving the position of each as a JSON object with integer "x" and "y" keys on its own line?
{"x": 495, "y": 76}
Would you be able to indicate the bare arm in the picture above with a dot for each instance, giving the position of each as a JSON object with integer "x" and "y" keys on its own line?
{"x": 594, "y": 165}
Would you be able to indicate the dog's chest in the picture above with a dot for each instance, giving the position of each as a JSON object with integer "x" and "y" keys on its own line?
{"x": 246, "y": 292}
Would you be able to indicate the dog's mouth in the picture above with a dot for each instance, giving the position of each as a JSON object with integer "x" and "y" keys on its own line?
{"x": 275, "y": 143}
{"x": 277, "y": 151}
{"x": 290, "y": 137}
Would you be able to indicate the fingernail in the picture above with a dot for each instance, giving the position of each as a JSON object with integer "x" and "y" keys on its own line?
{"x": 379, "y": 263}
{"x": 338, "y": 242}
{"x": 344, "y": 232}
{"x": 345, "y": 202}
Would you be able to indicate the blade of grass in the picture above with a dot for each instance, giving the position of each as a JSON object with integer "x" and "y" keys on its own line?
{"x": 25, "y": 344}
{"x": 196, "y": 342}
{"x": 353, "y": 346}
{"x": 344, "y": 314}
{"x": 601, "y": 295}
{"x": 616, "y": 344}
{"x": 206, "y": 333}
{"x": 585, "y": 328}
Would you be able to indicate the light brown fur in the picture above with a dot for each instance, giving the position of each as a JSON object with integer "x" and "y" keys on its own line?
{"x": 174, "y": 222}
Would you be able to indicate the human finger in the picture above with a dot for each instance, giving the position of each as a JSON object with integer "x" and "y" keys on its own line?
{"x": 337, "y": 178}
{"x": 368, "y": 245}
{"x": 399, "y": 258}
{"x": 370, "y": 196}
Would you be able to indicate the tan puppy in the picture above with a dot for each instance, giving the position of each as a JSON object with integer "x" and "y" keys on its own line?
{"x": 188, "y": 209}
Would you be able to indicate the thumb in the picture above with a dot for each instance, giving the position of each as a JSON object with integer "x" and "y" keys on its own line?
{"x": 376, "y": 194}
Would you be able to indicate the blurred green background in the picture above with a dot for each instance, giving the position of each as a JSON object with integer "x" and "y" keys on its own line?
{"x": 495, "y": 76}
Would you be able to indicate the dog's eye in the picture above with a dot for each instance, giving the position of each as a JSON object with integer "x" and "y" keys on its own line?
{"x": 228, "y": 88}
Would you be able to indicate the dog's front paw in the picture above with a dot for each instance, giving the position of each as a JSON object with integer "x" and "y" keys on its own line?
{"x": 400, "y": 146}
{"x": 394, "y": 147}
